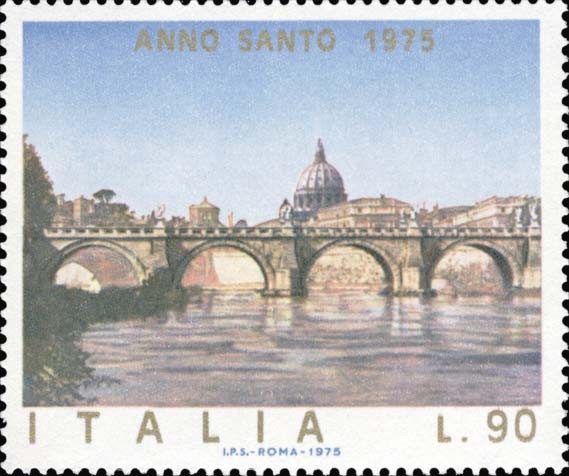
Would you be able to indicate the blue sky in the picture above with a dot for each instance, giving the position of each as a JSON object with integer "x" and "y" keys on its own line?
{"x": 451, "y": 126}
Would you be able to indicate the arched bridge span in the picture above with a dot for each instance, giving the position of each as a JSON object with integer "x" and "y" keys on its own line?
{"x": 508, "y": 264}
{"x": 194, "y": 250}
{"x": 47, "y": 274}
{"x": 381, "y": 255}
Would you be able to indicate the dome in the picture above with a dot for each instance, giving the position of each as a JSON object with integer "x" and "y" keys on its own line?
{"x": 320, "y": 184}
{"x": 320, "y": 176}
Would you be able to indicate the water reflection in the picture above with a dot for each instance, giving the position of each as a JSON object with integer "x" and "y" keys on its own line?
{"x": 330, "y": 349}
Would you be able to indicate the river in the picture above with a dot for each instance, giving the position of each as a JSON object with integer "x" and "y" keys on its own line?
{"x": 340, "y": 349}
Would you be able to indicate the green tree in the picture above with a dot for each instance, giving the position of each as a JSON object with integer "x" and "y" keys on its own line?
{"x": 39, "y": 199}
{"x": 104, "y": 195}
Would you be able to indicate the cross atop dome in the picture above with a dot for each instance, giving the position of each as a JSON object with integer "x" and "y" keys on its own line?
{"x": 319, "y": 156}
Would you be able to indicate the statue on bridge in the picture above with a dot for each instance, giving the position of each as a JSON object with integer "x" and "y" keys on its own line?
{"x": 535, "y": 214}
{"x": 518, "y": 217}
{"x": 403, "y": 218}
{"x": 285, "y": 212}
{"x": 413, "y": 217}
{"x": 157, "y": 216}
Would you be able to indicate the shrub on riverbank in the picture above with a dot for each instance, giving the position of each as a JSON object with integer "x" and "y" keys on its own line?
{"x": 57, "y": 309}
{"x": 55, "y": 367}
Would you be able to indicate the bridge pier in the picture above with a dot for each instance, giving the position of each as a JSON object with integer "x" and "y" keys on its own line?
{"x": 286, "y": 282}
{"x": 532, "y": 278}
{"x": 532, "y": 269}
{"x": 409, "y": 282}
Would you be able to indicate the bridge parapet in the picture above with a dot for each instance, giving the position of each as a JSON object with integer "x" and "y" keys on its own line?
{"x": 482, "y": 232}
{"x": 103, "y": 232}
{"x": 331, "y": 232}
{"x": 276, "y": 232}
{"x": 252, "y": 232}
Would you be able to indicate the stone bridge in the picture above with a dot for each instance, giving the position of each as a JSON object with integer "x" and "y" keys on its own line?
{"x": 285, "y": 255}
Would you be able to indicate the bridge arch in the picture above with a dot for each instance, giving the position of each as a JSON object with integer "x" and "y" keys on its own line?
{"x": 48, "y": 273}
{"x": 509, "y": 268}
{"x": 382, "y": 257}
{"x": 253, "y": 253}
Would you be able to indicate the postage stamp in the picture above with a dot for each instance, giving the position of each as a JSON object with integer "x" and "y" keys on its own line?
{"x": 284, "y": 237}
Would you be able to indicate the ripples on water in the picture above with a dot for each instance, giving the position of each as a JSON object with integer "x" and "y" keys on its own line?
{"x": 331, "y": 349}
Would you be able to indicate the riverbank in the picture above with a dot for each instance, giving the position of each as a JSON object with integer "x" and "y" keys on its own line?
{"x": 54, "y": 320}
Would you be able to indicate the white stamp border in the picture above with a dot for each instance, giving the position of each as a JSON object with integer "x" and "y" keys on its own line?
{"x": 382, "y": 437}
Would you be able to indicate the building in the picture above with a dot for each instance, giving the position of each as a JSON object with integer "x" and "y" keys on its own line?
{"x": 513, "y": 211}
{"x": 440, "y": 215}
{"x": 320, "y": 185}
{"x": 83, "y": 210}
{"x": 90, "y": 212}
{"x": 365, "y": 212}
{"x": 63, "y": 215}
{"x": 177, "y": 222}
{"x": 205, "y": 214}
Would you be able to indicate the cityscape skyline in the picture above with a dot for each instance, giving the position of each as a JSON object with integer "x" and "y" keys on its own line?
{"x": 243, "y": 140}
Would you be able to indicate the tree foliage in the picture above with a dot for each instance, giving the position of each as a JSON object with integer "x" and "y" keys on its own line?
{"x": 39, "y": 199}
{"x": 104, "y": 195}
